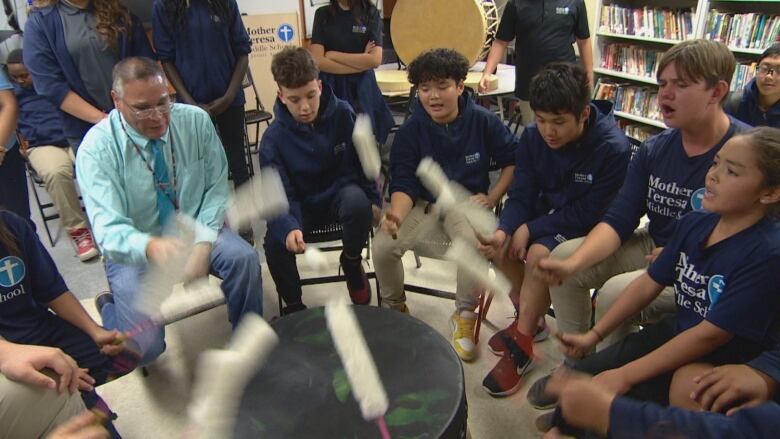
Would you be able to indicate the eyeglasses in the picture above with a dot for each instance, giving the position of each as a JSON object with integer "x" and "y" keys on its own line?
{"x": 764, "y": 70}
{"x": 146, "y": 113}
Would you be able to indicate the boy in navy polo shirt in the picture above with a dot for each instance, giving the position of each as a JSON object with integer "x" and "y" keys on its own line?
{"x": 569, "y": 166}
{"x": 40, "y": 123}
{"x": 466, "y": 141}
{"x": 543, "y": 33}
{"x": 760, "y": 101}
{"x": 310, "y": 144}
{"x": 721, "y": 264}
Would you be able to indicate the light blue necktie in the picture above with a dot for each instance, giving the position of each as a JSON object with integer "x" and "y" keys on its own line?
{"x": 164, "y": 188}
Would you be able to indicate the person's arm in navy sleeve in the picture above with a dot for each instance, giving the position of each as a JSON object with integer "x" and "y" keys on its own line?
{"x": 586, "y": 405}
{"x": 48, "y": 287}
{"x": 768, "y": 363}
{"x": 630, "y": 205}
{"x": 584, "y": 42}
{"x": 582, "y": 214}
{"x": 502, "y": 145}
{"x": 241, "y": 46}
{"x": 404, "y": 185}
{"x": 318, "y": 49}
{"x": 280, "y": 227}
{"x": 370, "y": 58}
{"x": 165, "y": 44}
{"x": 523, "y": 192}
{"x": 48, "y": 77}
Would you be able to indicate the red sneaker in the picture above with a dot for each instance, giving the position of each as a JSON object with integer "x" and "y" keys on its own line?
{"x": 357, "y": 281}
{"x": 85, "y": 245}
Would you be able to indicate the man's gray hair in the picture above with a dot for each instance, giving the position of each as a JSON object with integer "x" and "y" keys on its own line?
{"x": 134, "y": 68}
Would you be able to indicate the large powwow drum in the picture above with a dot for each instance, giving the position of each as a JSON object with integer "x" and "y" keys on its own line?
{"x": 303, "y": 390}
{"x": 467, "y": 26}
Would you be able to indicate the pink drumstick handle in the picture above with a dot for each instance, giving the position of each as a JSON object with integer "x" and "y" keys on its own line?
{"x": 380, "y": 422}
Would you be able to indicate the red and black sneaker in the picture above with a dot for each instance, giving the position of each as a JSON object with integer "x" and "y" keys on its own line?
{"x": 357, "y": 281}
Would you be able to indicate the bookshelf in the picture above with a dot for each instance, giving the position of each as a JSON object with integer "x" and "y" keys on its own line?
{"x": 631, "y": 35}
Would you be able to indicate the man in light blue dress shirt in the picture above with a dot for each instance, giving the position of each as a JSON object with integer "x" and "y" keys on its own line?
{"x": 146, "y": 160}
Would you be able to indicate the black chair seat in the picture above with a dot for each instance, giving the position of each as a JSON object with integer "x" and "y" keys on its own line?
{"x": 257, "y": 116}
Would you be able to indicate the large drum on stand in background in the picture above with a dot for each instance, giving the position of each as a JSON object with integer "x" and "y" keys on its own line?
{"x": 467, "y": 26}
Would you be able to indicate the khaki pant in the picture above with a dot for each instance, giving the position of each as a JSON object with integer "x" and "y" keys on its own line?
{"x": 571, "y": 300}
{"x": 424, "y": 230}
{"x": 55, "y": 166}
{"x": 28, "y": 411}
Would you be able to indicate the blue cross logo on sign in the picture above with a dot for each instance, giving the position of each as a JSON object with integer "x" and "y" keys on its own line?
{"x": 11, "y": 271}
{"x": 285, "y": 33}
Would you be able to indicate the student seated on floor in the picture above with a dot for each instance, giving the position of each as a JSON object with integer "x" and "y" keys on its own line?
{"x": 310, "y": 144}
{"x": 37, "y": 309}
{"x": 40, "y": 123}
{"x": 741, "y": 403}
{"x": 664, "y": 181}
{"x": 759, "y": 103}
{"x": 723, "y": 264}
{"x": 568, "y": 167}
{"x": 465, "y": 140}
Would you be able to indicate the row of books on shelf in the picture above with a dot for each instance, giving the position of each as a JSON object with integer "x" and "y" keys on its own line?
{"x": 743, "y": 74}
{"x": 670, "y": 24}
{"x": 630, "y": 98}
{"x": 630, "y": 58}
{"x": 638, "y": 131}
{"x": 744, "y": 31}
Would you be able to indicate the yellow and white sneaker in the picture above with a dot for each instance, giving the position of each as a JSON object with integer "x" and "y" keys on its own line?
{"x": 463, "y": 334}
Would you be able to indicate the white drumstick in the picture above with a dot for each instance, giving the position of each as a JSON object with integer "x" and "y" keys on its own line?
{"x": 451, "y": 195}
{"x": 476, "y": 267}
{"x": 365, "y": 145}
{"x": 262, "y": 197}
{"x": 223, "y": 375}
{"x": 315, "y": 259}
{"x": 358, "y": 362}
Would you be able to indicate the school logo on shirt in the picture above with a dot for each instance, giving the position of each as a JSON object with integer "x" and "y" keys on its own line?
{"x": 715, "y": 288}
{"x": 697, "y": 198}
{"x": 583, "y": 178}
{"x": 341, "y": 147}
{"x": 562, "y": 11}
{"x": 692, "y": 289}
{"x": 11, "y": 271}
{"x": 358, "y": 29}
{"x": 472, "y": 159}
{"x": 667, "y": 198}
{"x": 285, "y": 32}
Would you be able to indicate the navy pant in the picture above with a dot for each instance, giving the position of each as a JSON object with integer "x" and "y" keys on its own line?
{"x": 231, "y": 132}
{"x": 13, "y": 185}
{"x": 351, "y": 208}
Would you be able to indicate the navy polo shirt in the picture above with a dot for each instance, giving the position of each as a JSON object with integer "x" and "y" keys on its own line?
{"x": 342, "y": 32}
{"x": 28, "y": 282}
{"x": 205, "y": 52}
{"x": 663, "y": 182}
{"x": 544, "y": 31}
{"x": 731, "y": 284}
{"x": 39, "y": 120}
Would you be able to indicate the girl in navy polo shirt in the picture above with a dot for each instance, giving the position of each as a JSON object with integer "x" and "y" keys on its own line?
{"x": 724, "y": 266}
{"x": 204, "y": 48}
{"x": 36, "y": 308}
{"x": 70, "y": 48}
{"x": 346, "y": 43}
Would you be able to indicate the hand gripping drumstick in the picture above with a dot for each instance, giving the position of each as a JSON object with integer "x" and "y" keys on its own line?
{"x": 476, "y": 267}
{"x": 358, "y": 363}
{"x": 365, "y": 145}
{"x": 262, "y": 197}
{"x": 222, "y": 376}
